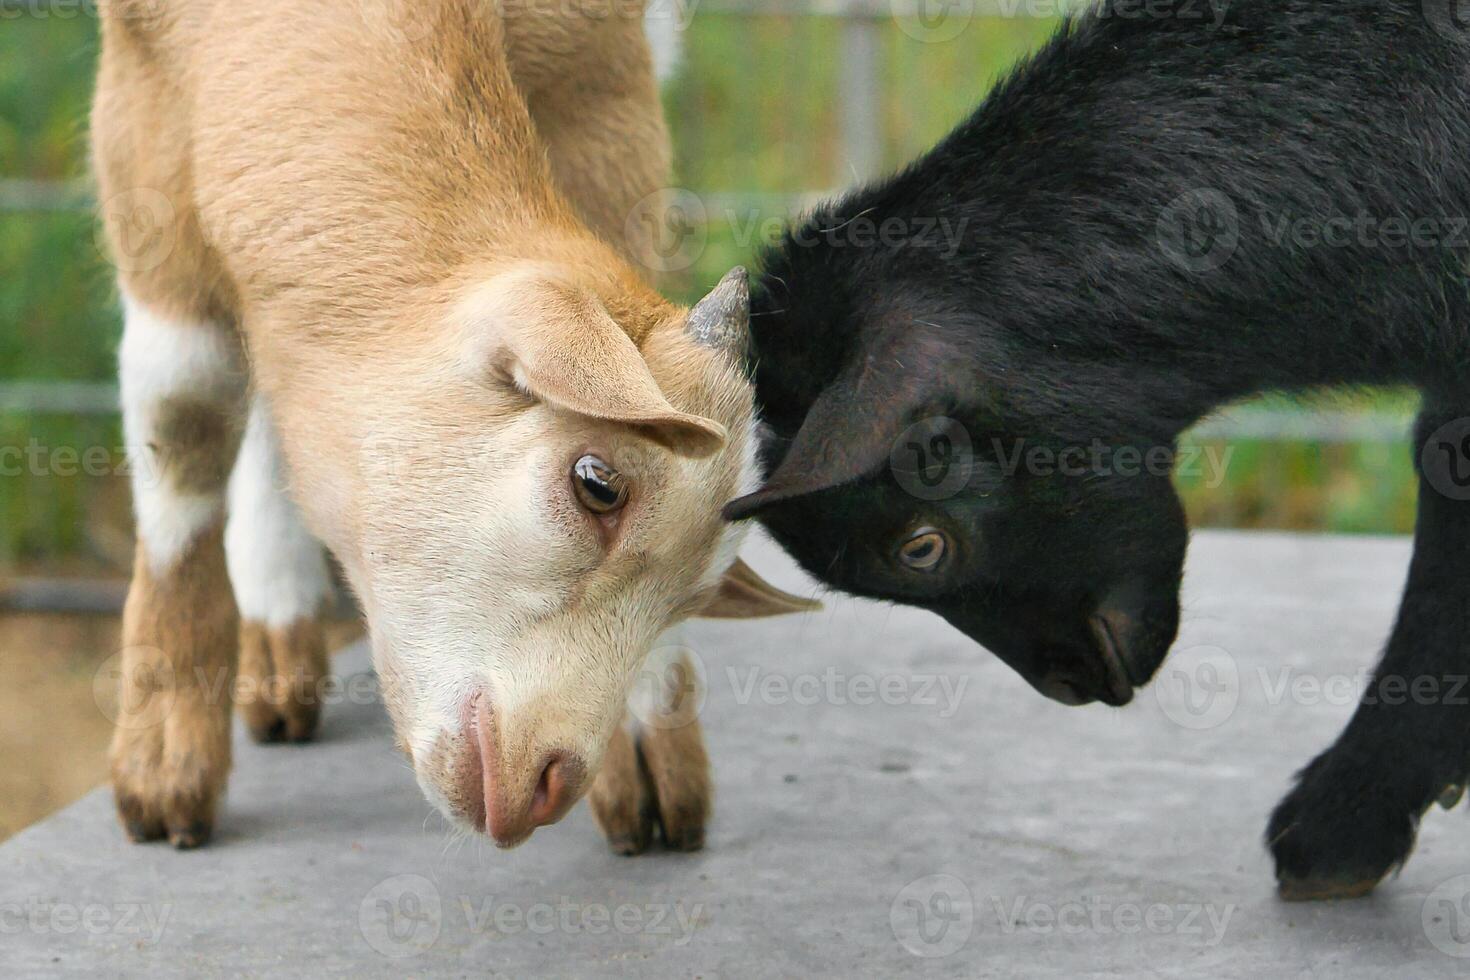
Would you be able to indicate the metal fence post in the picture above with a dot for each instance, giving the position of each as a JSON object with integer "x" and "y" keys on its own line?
{"x": 862, "y": 98}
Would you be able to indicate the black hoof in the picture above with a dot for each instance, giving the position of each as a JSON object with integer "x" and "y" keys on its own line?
{"x": 1340, "y": 832}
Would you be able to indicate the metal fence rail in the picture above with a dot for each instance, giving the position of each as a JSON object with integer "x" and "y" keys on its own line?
{"x": 43, "y": 196}
{"x": 70, "y": 597}
{"x": 105, "y": 597}
{"x": 58, "y": 398}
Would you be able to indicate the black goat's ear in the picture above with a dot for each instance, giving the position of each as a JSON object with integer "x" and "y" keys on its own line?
{"x": 848, "y": 433}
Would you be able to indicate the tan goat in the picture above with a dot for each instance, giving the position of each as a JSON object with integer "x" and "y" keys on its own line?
{"x": 365, "y": 228}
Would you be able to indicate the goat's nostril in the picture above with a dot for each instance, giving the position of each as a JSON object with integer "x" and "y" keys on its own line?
{"x": 547, "y": 790}
{"x": 557, "y": 790}
{"x": 513, "y": 806}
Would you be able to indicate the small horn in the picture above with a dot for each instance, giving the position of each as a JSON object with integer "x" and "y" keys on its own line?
{"x": 721, "y": 321}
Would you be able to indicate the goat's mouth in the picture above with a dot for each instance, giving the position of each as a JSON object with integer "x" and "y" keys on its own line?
{"x": 1117, "y": 680}
{"x": 1092, "y": 671}
{"x": 1074, "y": 658}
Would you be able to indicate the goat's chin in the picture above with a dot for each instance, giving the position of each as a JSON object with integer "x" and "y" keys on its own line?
{"x": 456, "y": 823}
{"x": 439, "y": 802}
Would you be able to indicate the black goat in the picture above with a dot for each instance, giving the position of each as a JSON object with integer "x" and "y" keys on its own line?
{"x": 977, "y": 371}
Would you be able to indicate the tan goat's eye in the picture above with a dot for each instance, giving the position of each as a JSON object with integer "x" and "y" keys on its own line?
{"x": 599, "y": 487}
{"x": 925, "y": 550}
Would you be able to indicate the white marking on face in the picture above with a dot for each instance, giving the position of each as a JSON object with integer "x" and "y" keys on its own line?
{"x": 278, "y": 569}
{"x": 735, "y": 534}
{"x": 161, "y": 361}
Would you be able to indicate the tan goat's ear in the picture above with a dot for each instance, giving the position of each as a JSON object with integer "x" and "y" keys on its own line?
{"x": 745, "y": 595}
{"x": 560, "y": 345}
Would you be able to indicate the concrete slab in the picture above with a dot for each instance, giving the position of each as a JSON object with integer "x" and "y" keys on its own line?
{"x": 891, "y": 800}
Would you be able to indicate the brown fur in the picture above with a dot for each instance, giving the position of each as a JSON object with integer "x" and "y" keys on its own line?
{"x": 656, "y": 776}
{"x": 190, "y": 436}
{"x": 656, "y": 780}
{"x": 678, "y": 768}
{"x": 281, "y": 676}
{"x": 171, "y": 749}
{"x": 622, "y": 801}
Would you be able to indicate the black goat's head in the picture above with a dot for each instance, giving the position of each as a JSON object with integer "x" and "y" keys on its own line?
{"x": 913, "y": 477}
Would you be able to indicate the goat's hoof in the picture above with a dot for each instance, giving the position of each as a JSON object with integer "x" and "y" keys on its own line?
{"x": 185, "y": 820}
{"x": 168, "y": 779}
{"x": 140, "y": 828}
{"x": 1324, "y": 890}
{"x": 685, "y": 837}
{"x": 622, "y": 800}
{"x": 629, "y": 846}
{"x": 281, "y": 673}
{"x": 191, "y": 837}
{"x": 678, "y": 771}
{"x": 270, "y": 725}
{"x": 656, "y": 787}
{"x": 1339, "y": 833}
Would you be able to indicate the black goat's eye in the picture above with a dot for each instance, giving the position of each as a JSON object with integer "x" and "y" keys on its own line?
{"x": 599, "y": 488}
{"x": 925, "y": 550}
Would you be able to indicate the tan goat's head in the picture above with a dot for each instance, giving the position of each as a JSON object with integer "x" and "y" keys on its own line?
{"x": 539, "y": 501}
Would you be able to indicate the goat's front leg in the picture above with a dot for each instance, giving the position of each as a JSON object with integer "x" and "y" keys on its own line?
{"x": 1354, "y": 813}
{"x": 281, "y": 583}
{"x": 183, "y": 397}
{"x": 655, "y": 776}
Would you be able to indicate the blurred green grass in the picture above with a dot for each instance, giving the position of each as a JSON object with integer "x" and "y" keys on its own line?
{"x": 756, "y": 110}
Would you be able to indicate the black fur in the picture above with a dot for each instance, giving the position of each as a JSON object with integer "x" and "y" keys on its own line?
{"x": 1095, "y": 301}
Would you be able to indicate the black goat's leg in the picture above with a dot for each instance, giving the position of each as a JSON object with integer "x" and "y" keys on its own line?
{"x": 1354, "y": 813}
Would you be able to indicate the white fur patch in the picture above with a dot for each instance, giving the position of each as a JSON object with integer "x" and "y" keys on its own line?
{"x": 664, "y": 23}
{"x": 734, "y": 535}
{"x": 161, "y": 361}
{"x": 664, "y": 676}
{"x": 278, "y": 569}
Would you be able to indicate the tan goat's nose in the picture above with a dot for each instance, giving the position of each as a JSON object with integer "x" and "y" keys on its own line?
{"x": 510, "y": 820}
{"x": 514, "y": 807}
{"x": 556, "y": 791}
